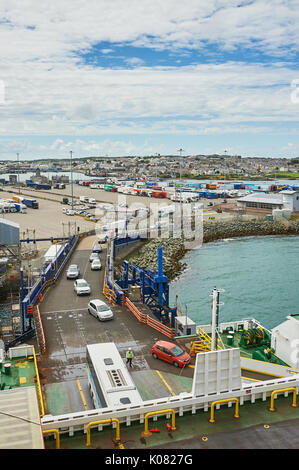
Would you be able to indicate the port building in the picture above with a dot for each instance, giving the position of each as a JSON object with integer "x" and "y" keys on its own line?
{"x": 287, "y": 199}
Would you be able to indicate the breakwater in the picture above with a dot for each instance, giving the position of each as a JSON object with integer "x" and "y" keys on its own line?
{"x": 174, "y": 249}
{"x": 232, "y": 229}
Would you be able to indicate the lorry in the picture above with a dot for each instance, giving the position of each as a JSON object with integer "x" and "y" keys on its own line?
{"x": 184, "y": 197}
{"x": 84, "y": 199}
{"x": 52, "y": 252}
{"x": 30, "y": 203}
{"x": 21, "y": 208}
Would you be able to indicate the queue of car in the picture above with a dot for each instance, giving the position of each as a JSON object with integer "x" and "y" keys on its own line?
{"x": 96, "y": 307}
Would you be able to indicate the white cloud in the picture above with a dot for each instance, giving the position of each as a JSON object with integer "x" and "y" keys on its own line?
{"x": 50, "y": 91}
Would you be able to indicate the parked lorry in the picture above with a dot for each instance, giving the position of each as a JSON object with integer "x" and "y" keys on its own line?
{"x": 30, "y": 203}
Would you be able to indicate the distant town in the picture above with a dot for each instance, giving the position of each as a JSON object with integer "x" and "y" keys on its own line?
{"x": 165, "y": 166}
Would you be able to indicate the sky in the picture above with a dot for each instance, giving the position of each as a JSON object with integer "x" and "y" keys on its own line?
{"x": 141, "y": 77}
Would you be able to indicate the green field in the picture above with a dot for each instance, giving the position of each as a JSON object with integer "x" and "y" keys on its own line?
{"x": 281, "y": 174}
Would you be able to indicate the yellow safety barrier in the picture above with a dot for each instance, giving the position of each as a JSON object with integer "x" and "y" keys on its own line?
{"x": 290, "y": 389}
{"x": 109, "y": 294}
{"x": 56, "y": 432}
{"x": 39, "y": 390}
{"x": 226, "y": 400}
{"x": 204, "y": 343}
{"x": 153, "y": 413}
{"x": 103, "y": 421}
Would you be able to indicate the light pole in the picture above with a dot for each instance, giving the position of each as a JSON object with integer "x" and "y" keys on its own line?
{"x": 18, "y": 172}
{"x": 71, "y": 153}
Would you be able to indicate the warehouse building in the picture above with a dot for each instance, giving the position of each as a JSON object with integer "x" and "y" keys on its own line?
{"x": 284, "y": 200}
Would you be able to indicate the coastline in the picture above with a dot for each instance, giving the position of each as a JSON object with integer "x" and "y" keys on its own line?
{"x": 174, "y": 249}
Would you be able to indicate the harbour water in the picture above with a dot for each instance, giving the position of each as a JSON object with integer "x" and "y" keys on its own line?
{"x": 259, "y": 276}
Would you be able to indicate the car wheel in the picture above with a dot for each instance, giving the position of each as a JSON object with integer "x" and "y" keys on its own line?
{"x": 155, "y": 356}
{"x": 175, "y": 364}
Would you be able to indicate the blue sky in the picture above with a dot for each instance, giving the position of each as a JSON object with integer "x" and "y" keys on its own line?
{"x": 145, "y": 77}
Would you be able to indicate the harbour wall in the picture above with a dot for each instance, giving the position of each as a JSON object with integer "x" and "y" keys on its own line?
{"x": 174, "y": 249}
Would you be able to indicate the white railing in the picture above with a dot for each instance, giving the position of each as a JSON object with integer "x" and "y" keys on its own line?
{"x": 185, "y": 402}
{"x": 20, "y": 351}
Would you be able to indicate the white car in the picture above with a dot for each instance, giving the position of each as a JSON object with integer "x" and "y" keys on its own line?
{"x": 72, "y": 272}
{"x": 81, "y": 287}
{"x": 94, "y": 256}
{"x": 97, "y": 248}
{"x": 96, "y": 265}
{"x": 100, "y": 310}
{"x": 102, "y": 239}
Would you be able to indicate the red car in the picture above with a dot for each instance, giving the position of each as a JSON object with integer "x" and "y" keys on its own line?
{"x": 170, "y": 352}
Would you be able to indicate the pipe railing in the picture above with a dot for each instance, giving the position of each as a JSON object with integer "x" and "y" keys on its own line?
{"x": 39, "y": 390}
{"x": 227, "y": 400}
{"x": 103, "y": 421}
{"x": 56, "y": 432}
{"x": 155, "y": 413}
{"x": 275, "y": 392}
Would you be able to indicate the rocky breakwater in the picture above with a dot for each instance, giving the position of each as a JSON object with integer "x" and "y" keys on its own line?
{"x": 173, "y": 251}
{"x": 232, "y": 229}
{"x": 174, "y": 248}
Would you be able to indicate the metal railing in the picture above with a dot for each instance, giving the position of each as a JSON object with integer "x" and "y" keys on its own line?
{"x": 180, "y": 404}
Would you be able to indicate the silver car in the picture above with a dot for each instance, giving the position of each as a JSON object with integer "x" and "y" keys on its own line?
{"x": 72, "y": 272}
{"x": 100, "y": 310}
{"x": 94, "y": 256}
{"x": 81, "y": 287}
{"x": 96, "y": 265}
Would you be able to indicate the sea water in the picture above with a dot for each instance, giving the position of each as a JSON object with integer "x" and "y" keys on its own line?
{"x": 259, "y": 276}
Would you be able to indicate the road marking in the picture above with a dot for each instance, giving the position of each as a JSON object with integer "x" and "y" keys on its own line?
{"x": 190, "y": 365}
{"x": 69, "y": 310}
{"x": 82, "y": 395}
{"x": 165, "y": 383}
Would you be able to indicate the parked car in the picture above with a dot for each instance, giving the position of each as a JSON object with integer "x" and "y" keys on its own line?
{"x": 100, "y": 310}
{"x": 96, "y": 264}
{"x": 81, "y": 287}
{"x": 170, "y": 352}
{"x": 72, "y": 272}
{"x": 97, "y": 248}
{"x": 93, "y": 256}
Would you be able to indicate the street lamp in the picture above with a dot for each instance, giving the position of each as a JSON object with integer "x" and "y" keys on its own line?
{"x": 71, "y": 154}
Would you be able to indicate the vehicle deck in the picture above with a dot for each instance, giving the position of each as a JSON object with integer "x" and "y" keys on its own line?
{"x": 257, "y": 428}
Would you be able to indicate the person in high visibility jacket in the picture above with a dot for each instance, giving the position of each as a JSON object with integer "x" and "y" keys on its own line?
{"x": 129, "y": 356}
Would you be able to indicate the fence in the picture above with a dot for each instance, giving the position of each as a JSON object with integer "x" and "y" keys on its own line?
{"x": 49, "y": 276}
{"x": 183, "y": 403}
{"x": 148, "y": 320}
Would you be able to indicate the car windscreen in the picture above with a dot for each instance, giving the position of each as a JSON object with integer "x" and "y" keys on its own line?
{"x": 102, "y": 308}
{"x": 82, "y": 284}
{"x": 73, "y": 269}
{"x": 177, "y": 351}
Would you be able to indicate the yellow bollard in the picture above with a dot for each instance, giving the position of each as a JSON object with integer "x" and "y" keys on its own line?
{"x": 103, "y": 421}
{"x": 56, "y": 432}
{"x": 227, "y": 400}
{"x": 146, "y": 432}
{"x": 290, "y": 389}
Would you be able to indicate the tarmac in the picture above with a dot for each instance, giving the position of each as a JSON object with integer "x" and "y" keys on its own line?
{"x": 68, "y": 328}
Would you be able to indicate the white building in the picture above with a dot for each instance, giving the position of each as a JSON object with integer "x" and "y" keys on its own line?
{"x": 284, "y": 200}
{"x": 285, "y": 340}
